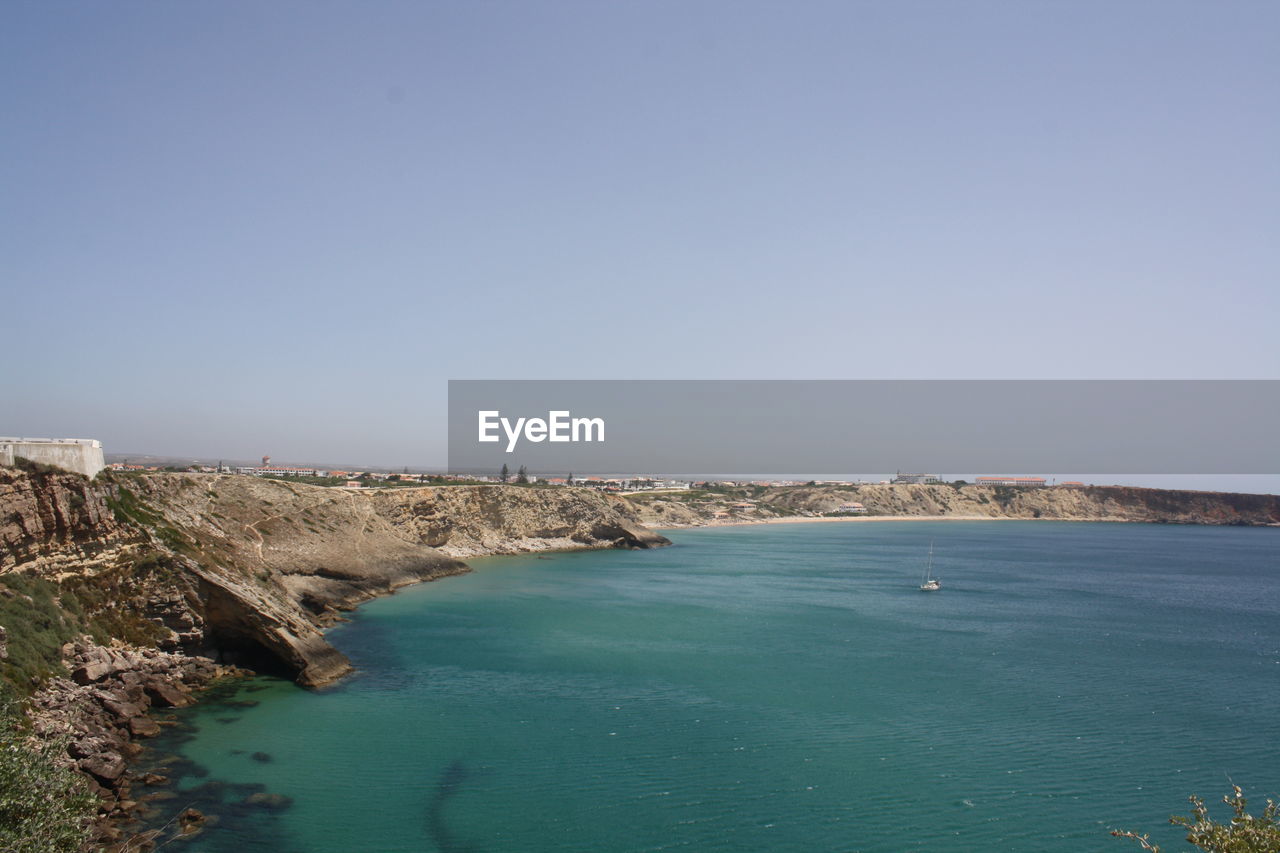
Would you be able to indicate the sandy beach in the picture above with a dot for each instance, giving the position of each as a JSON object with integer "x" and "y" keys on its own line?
{"x": 857, "y": 518}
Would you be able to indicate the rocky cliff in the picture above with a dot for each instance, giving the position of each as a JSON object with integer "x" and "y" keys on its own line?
{"x": 1089, "y": 503}
{"x": 145, "y": 588}
{"x": 248, "y": 571}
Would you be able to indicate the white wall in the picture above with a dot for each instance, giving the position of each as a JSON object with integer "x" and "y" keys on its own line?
{"x": 83, "y": 457}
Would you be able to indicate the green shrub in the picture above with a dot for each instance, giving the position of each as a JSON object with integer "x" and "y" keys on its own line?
{"x": 1244, "y": 833}
{"x": 43, "y": 808}
{"x": 128, "y": 508}
{"x": 40, "y": 616}
{"x": 37, "y": 628}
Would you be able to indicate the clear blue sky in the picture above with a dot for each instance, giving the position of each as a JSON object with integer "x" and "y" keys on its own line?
{"x": 231, "y": 229}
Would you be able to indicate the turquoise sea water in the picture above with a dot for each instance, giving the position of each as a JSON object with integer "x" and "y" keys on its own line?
{"x": 773, "y": 688}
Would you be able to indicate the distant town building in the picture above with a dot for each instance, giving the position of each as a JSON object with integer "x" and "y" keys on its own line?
{"x": 914, "y": 479}
{"x": 1009, "y": 481}
{"x": 126, "y": 466}
{"x": 281, "y": 471}
{"x": 81, "y": 455}
{"x": 639, "y": 484}
{"x": 852, "y": 506}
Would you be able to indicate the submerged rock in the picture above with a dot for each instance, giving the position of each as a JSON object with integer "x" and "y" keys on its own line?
{"x": 274, "y": 802}
{"x": 143, "y": 727}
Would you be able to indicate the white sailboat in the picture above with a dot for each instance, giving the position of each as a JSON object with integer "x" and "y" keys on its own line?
{"x": 930, "y": 584}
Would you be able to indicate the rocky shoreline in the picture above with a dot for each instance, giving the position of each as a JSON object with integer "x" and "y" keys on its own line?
{"x": 102, "y": 712}
{"x": 190, "y": 579}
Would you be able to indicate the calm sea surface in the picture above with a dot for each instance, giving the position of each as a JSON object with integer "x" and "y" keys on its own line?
{"x": 772, "y": 688}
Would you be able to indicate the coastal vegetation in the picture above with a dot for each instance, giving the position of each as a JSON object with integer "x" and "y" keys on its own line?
{"x": 35, "y": 628}
{"x": 44, "y": 807}
{"x": 1243, "y": 833}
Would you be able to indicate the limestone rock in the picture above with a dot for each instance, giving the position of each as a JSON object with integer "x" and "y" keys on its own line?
{"x": 143, "y": 727}
{"x": 106, "y": 768}
{"x": 165, "y": 694}
{"x": 254, "y": 569}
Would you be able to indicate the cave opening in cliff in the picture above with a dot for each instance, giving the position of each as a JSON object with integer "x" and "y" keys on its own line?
{"x": 232, "y": 636}
{"x": 239, "y": 649}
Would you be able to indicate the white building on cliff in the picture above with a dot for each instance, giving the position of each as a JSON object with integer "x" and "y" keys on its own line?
{"x": 81, "y": 455}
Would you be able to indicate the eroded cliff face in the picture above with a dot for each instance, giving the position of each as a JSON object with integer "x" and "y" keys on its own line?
{"x": 56, "y": 524}
{"x": 470, "y": 521}
{"x": 1089, "y": 503}
{"x": 249, "y": 571}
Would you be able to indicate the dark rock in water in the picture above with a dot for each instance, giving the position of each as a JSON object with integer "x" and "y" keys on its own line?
{"x": 147, "y": 813}
{"x": 274, "y": 802}
{"x": 261, "y": 756}
{"x": 165, "y": 694}
{"x": 190, "y": 822}
{"x": 241, "y": 703}
{"x": 154, "y": 779}
{"x": 213, "y": 791}
{"x": 143, "y": 842}
{"x": 225, "y": 720}
{"x": 450, "y": 782}
{"x": 143, "y": 727}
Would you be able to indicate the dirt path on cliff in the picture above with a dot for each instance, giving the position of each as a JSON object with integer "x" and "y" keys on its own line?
{"x": 261, "y": 540}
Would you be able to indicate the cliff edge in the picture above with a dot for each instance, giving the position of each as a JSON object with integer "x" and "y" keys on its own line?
{"x": 1068, "y": 503}
{"x": 249, "y": 571}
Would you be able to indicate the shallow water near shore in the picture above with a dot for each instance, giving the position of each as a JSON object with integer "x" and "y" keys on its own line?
{"x": 771, "y": 688}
